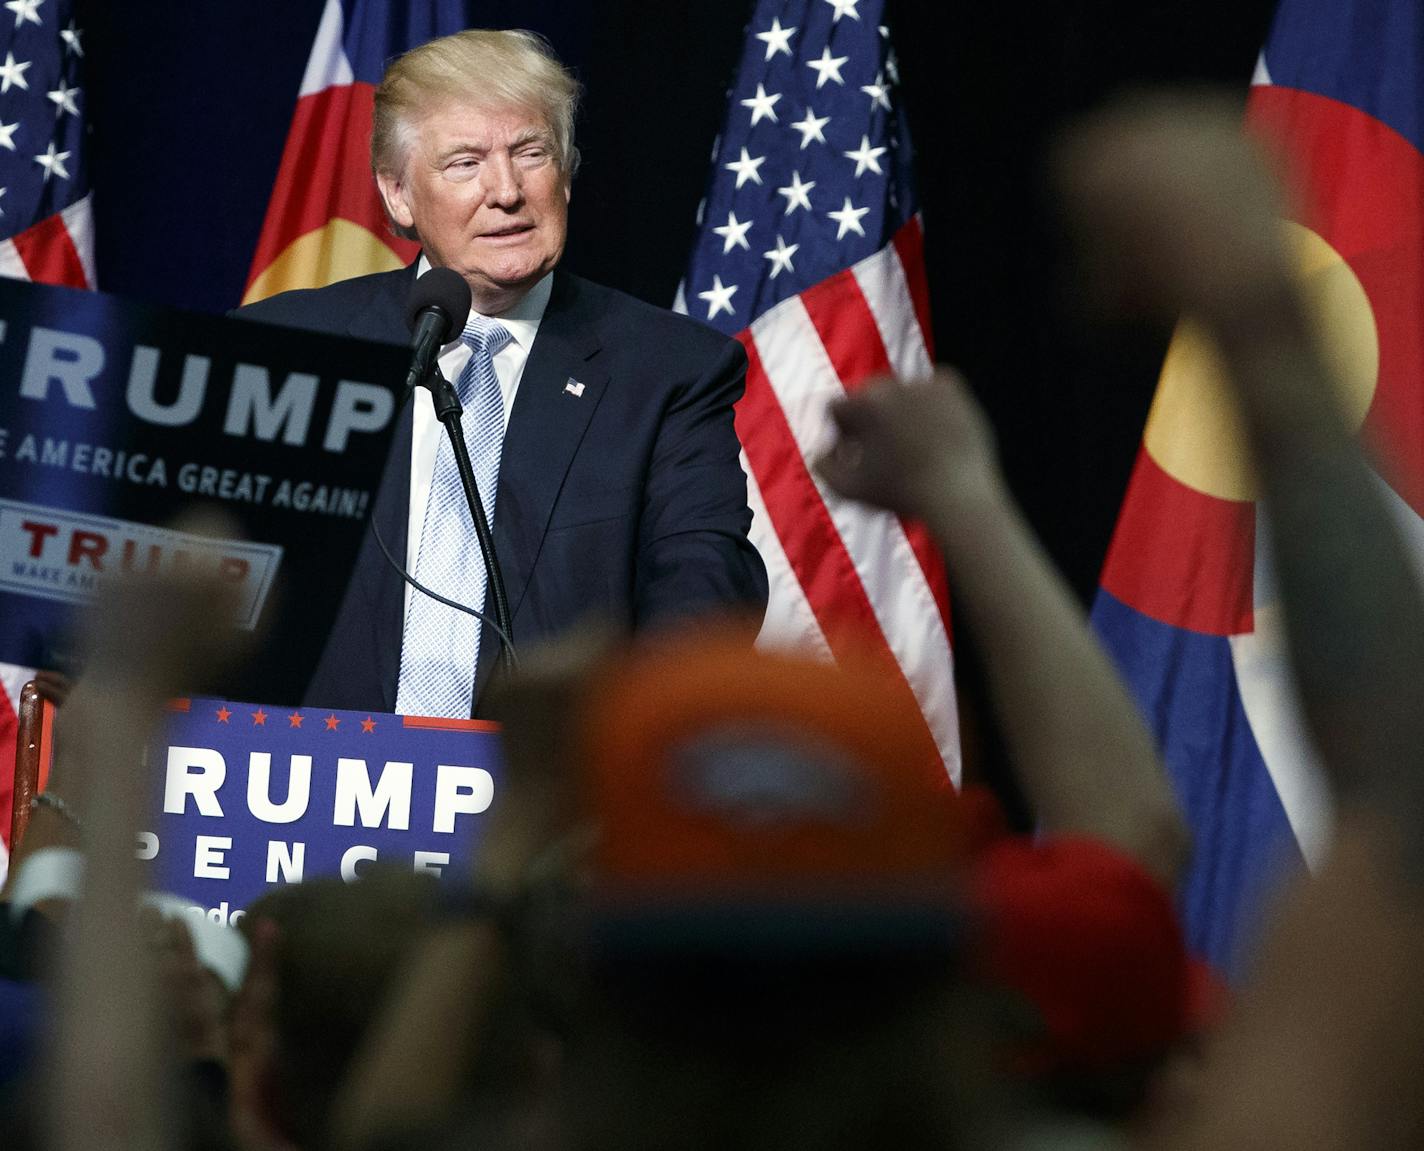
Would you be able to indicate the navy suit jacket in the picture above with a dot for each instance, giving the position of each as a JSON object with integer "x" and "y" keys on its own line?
{"x": 626, "y": 502}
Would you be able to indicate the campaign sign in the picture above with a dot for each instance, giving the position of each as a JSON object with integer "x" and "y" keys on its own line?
{"x": 116, "y": 417}
{"x": 249, "y": 797}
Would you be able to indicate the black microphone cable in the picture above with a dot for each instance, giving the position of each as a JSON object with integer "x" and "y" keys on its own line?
{"x": 420, "y": 587}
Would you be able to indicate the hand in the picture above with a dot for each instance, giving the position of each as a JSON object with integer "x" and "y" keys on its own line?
{"x": 253, "y": 1042}
{"x": 196, "y": 998}
{"x": 170, "y": 631}
{"x": 923, "y": 450}
{"x": 538, "y": 804}
{"x": 1175, "y": 209}
{"x": 147, "y": 637}
{"x": 54, "y": 686}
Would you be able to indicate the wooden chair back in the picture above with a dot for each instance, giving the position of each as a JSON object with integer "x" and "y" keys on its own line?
{"x": 33, "y": 746}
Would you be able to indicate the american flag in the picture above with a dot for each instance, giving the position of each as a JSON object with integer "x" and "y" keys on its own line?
{"x": 829, "y": 173}
{"x": 811, "y": 254}
{"x": 46, "y": 230}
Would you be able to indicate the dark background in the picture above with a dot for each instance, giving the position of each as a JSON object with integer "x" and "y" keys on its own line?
{"x": 190, "y": 104}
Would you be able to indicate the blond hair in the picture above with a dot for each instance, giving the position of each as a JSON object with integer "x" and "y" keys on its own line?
{"x": 491, "y": 69}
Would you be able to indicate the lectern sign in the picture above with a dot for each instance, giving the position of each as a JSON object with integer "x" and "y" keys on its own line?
{"x": 250, "y": 796}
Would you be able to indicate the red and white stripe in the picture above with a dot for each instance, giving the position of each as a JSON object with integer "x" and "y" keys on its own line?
{"x": 843, "y": 576}
{"x": 57, "y": 250}
{"x": 12, "y": 679}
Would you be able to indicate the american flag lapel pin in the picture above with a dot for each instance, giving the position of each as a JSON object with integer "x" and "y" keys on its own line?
{"x": 573, "y": 387}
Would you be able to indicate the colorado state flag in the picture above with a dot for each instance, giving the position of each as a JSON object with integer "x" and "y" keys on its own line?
{"x": 1187, "y": 604}
{"x": 325, "y": 221}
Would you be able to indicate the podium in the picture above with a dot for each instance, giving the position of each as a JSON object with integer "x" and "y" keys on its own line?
{"x": 249, "y": 796}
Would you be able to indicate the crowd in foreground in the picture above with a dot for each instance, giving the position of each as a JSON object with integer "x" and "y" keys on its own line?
{"x": 723, "y": 902}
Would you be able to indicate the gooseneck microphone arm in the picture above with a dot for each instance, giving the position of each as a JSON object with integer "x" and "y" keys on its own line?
{"x": 439, "y": 305}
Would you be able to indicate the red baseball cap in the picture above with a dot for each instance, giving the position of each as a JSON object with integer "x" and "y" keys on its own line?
{"x": 1092, "y": 941}
{"x": 765, "y": 796}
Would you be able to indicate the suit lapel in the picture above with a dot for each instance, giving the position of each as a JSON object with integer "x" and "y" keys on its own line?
{"x": 383, "y": 318}
{"x": 391, "y": 516}
{"x": 546, "y": 426}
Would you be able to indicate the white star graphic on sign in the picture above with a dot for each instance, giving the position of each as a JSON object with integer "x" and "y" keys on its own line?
{"x": 810, "y": 127}
{"x": 866, "y": 157}
{"x": 53, "y": 163}
{"x": 892, "y": 67}
{"x": 849, "y": 219}
{"x": 828, "y": 67}
{"x": 63, "y": 100}
{"x": 795, "y": 194}
{"x": 734, "y": 233}
{"x": 780, "y": 257}
{"x": 746, "y": 168}
{"x": 719, "y": 298}
{"x": 761, "y": 105}
{"x": 776, "y": 38}
{"x": 13, "y": 74}
{"x": 844, "y": 8}
{"x": 25, "y": 11}
{"x": 2, "y": 192}
{"x": 7, "y": 135}
{"x": 878, "y": 92}
{"x": 70, "y": 36}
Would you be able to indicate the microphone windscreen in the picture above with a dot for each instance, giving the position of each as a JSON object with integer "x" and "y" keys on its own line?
{"x": 441, "y": 288}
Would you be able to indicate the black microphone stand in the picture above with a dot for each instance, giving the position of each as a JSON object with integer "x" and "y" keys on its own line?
{"x": 448, "y": 410}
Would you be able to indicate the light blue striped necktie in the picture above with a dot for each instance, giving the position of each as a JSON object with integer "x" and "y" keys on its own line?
{"x": 440, "y": 646}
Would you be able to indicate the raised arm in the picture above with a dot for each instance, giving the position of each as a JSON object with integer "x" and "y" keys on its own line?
{"x": 109, "y": 1076}
{"x": 1324, "y": 1049}
{"x": 1183, "y": 218}
{"x": 1082, "y": 754}
{"x": 410, "y": 1076}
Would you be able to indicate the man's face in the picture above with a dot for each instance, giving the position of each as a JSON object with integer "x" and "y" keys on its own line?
{"x": 485, "y": 194}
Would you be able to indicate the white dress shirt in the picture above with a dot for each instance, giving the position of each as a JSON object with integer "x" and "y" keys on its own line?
{"x": 523, "y": 321}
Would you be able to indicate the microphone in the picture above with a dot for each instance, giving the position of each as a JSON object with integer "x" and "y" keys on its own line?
{"x": 439, "y": 305}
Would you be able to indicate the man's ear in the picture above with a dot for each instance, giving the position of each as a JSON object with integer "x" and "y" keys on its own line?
{"x": 392, "y": 189}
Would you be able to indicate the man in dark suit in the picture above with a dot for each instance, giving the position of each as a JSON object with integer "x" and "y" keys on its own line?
{"x": 619, "y": 493}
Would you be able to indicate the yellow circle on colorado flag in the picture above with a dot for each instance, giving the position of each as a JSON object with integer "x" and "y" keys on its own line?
{"x": 338, "y": 250}
{"x": 1194, "y": 430}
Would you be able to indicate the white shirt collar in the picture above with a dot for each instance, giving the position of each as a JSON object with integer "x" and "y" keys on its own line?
{"x": 523, "y": 319}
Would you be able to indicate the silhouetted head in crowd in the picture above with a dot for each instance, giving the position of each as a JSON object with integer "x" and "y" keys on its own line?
{"x": 795, "y": 933}
{"x": 324, "y": 954}
{"x": 1083, "y": 954}
{"x": 766, "y": 917}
